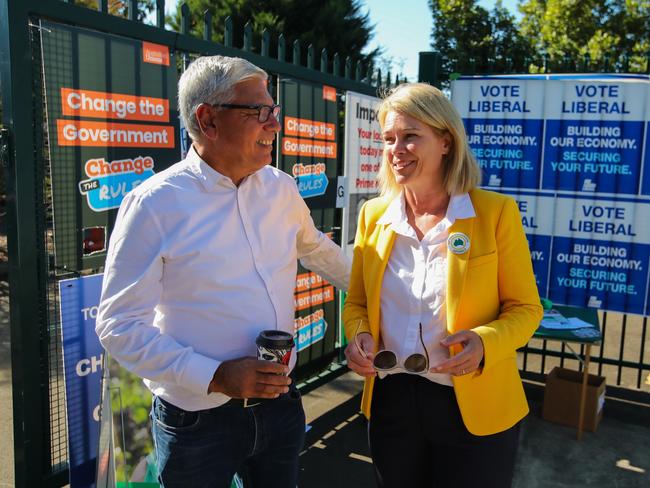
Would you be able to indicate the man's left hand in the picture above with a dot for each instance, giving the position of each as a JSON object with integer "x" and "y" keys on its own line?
{"x": 465, "y": 362}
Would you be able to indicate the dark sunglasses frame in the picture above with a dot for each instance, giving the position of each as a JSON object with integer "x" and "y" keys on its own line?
{"x": 386, "y": 360}
{"x": 270, "y": 109}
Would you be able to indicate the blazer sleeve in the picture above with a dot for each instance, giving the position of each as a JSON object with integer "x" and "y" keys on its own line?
{"x": 355, "y": 311}
{"x": 520, "y": 308}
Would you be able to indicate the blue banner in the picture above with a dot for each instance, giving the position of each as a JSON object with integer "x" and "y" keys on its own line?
{"x": 83, "y": 360}
{"x": 574, "y": 151}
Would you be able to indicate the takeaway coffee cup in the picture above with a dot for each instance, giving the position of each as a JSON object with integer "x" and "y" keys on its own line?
{"x": 274, "y": 345}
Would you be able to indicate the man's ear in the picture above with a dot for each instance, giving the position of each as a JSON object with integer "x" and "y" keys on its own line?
{"x": 205, "y": 118}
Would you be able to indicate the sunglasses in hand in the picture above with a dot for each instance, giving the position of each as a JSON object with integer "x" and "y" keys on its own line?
{"x": 386, "y": 360}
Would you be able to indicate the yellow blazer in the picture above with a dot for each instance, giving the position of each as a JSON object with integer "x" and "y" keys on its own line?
{"x": 490, "y": 289}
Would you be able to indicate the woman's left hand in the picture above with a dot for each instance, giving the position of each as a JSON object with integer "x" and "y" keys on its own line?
{"x": 465, "y": 362}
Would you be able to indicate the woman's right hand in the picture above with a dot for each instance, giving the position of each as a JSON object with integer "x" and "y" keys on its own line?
{"x": 359, "y": 354}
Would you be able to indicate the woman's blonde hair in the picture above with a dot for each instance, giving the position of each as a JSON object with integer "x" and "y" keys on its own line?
{"x": 430, "y": 106}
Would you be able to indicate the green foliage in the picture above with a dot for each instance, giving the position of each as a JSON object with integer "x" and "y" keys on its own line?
{"x": 120, "y": 7}
{"x": 131, "y": 403}
{"x": 552, "y": 35}
{"x": 472, "y": 40}
{"x": 337, "y": 25}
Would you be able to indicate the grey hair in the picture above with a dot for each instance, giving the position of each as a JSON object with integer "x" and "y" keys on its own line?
{"x": 210, "y": 79}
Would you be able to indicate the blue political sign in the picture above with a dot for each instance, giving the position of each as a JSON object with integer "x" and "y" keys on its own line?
{"x": 574, "y": 151}
{"x": 108, "y": 192}
{"x": 312, "y": 185}
{"x": 83, "y": 361}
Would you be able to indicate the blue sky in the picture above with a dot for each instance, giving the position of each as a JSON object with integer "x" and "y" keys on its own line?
{"x": 403, "y": 29}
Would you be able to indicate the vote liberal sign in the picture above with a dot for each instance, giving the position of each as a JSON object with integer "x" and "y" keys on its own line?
{"x": 573, "y": 152}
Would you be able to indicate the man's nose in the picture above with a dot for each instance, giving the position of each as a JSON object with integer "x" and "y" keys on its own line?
{"x": 273, "y": 123}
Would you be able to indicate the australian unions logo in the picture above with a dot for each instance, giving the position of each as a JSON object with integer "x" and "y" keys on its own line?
{"x": 110, "y": 181}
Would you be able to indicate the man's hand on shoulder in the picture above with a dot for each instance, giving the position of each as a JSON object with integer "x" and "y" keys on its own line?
{"x": 250, "y": 378}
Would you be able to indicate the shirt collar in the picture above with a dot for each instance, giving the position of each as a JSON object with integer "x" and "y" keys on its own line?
{"x": 460, "y": 207}
{"x": 209, "y": 177}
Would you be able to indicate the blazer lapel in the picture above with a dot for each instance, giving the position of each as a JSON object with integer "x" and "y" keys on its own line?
{"x": 457, "y": 270}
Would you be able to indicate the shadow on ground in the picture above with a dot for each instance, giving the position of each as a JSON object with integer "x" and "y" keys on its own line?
{"x": 617, "y": 455}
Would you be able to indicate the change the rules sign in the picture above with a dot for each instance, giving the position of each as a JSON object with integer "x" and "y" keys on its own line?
{"x": 573, "y": 151}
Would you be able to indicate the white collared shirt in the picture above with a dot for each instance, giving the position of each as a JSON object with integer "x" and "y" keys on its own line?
{"x": 415, "y": 283}
{"x": 197, "y": 266}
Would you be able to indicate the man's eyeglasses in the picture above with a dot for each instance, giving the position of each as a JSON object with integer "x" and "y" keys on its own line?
{"x": 263, "y": 111}
{"x": 386, "y": 360}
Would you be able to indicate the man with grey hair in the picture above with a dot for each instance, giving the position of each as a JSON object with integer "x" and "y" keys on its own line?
{"x": 203, "y": 257}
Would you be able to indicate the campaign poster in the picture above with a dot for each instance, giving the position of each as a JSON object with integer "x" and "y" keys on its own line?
{"x": 83, "y": 360}
{"x": 364, "y": 148}
{"x": 585, "y": 207}
{"x": 309, "y": 150}
{"x": 112, "y": 122}
{"x": 504, "y": 121}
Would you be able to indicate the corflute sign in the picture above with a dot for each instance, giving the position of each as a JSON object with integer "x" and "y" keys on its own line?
{"x": 573, "y": 152}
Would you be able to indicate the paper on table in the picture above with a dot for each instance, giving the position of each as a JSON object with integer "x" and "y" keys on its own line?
{"x": 568, "y": 323}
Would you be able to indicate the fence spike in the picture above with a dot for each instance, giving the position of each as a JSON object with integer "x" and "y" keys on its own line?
{"x": 103, "y": 6}
{"x": 266, "y": 42}
{"x": 310, "y": 56}
{"x": 369, "y": 73}
{"x": 606, "y": 61}
{"x": 227, "y": 34}
{"x": 185, "y": 18}
{"x": 388, "y": 78}
{"x": 160, "y": 13}
{"x": 647, "y": 62}
{"x": 336, "y": 65}
{"x": 348, "y": 67}
{"x": 324, "y": 61}
{"x": 207, "y": 25}
{"x": 248, "y": 36}
{"x": 587, "y": 62}
{"x": 296, "y": 52}
{"x": 378, "y": 79}
{"x": 282, "y": 48}
{"x": 626, "y": 63}
{"x": 358, "y": 70}
{"x": 133, "y": 9}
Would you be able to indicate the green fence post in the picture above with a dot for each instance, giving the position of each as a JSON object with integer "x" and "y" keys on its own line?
{"x": 160, "y": 13}
{"x": 227, "y": 35}
{"x": 348, "y": 67}
{"x": 336, "y": 65}
{"x": 430, "y": 68}
{"x": 266, "y": 42}
{"x": 282, "y": 48}
{"x": 248, "y": 36}
{"x": 133, "y": 9}
{"x": 103, "y": 6}
{"x": 296, "y": 52}
{"x": 185, "y": 18}
{"x": 207, "y": 25}
{"x": 323, "y": 60}
{"x": 358, "y": 70}
{"x": 310, "y": 56}
{"x": 21, "y": 115}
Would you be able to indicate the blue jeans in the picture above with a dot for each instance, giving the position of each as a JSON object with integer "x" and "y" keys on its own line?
{"x": 206, "y": 448}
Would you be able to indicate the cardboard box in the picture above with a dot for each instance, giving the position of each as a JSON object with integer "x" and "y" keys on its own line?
{"x": 562, "y": 398}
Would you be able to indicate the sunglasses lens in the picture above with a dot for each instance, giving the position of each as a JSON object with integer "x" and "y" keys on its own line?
{"x": 415, "y": 363}
{"x": 385, "y": 360}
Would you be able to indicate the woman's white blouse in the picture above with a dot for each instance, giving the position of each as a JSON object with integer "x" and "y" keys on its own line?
{"x": 414, "y": 287}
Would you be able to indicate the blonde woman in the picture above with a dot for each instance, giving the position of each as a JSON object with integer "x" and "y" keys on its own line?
{"x": 441, "y": 295}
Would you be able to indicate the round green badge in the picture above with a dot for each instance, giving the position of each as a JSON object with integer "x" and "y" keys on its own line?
{"x": 458, "y": 243}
